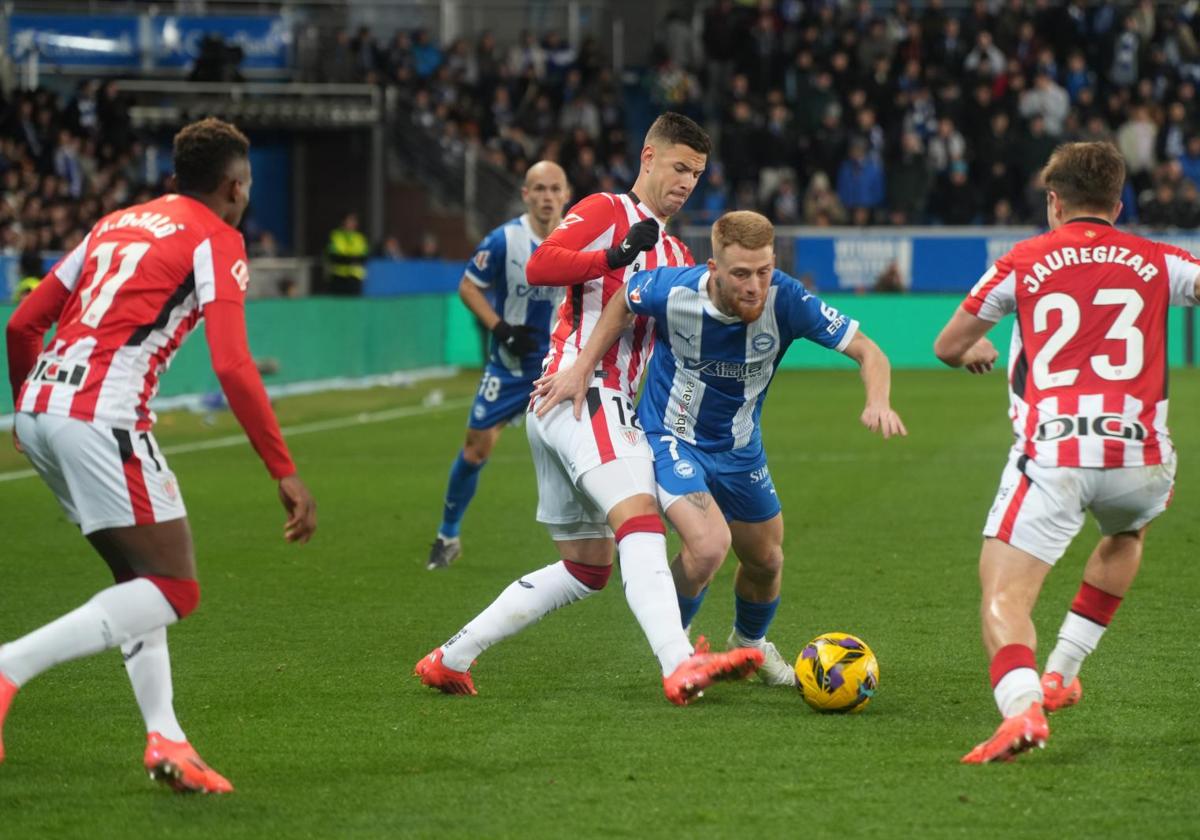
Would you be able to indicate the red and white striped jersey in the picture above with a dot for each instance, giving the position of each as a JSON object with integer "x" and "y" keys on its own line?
{"x": 1088, "y": 364}
{"x": 137, "y": 285}
{"x": 592, "y": 226}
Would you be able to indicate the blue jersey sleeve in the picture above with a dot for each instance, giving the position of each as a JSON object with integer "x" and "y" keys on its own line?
{"x": 807, "y": 316}
{"x": 487, "y": 266}
{"x": 646, "y": 293}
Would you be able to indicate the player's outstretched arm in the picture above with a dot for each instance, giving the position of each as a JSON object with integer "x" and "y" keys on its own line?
{"x": 963, "y": 342}
{"x": 571, "y": 383}
{"x": 225, "y": 329}
{"x": 876, "y": 371}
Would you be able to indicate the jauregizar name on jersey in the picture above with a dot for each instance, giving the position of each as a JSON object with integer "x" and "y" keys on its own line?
{"x": 1063, "y": 257}
{"x": 159, "y": 224}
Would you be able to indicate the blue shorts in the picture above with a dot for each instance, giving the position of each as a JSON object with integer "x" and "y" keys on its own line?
{"x": 739, "y": 479}
{"x": 501, "y": 398}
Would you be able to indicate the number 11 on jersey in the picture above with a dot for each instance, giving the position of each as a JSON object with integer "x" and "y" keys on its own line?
{"x": 94, "y": 308}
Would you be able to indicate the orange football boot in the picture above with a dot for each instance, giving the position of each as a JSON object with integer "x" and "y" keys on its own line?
{"x": 1057, "y": 695}
{"x": 446, "y": 680}
{"x": 176, "y": 764}
{"x": 703, "y": 668}
{"x": 1014, "y": 736}
{"x": 7, "y": 692}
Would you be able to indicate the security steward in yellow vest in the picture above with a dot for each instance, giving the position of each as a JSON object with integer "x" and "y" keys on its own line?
{"x": 31, "y": 275}
{"x": 346, "y": 256}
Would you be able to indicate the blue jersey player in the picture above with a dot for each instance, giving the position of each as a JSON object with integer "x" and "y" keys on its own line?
{"x": 518, "y": 315}
{"x": 720, "y": 331}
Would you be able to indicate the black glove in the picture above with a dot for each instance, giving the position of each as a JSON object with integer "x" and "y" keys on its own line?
{"x": 641, "y": 237}
{"x": 518, "y": 339}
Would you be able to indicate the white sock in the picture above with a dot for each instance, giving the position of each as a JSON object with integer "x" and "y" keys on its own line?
{"x": 148, "y": 664}
{"x": 523, "y": 603}
{"x": 1077, "y": 638}
{"x": 741, "y": 641}
{"x": 1017, "y": 690}
{"x": 112, "y": 617}
{"x": 650, "y": 591}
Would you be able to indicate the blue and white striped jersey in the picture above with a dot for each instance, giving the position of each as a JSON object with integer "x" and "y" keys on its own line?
{"x": 499, "y": 267}
{"x": 709, "y": 373}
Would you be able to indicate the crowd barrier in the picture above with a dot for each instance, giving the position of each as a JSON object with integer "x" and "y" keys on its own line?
{"x": 316, "y": 339}
{"x": 321, "y": 338}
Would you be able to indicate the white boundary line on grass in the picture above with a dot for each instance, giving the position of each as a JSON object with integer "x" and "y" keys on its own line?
{"x": 334, "y": 423}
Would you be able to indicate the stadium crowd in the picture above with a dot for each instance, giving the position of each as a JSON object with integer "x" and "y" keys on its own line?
{"x": 64, "y": 164}
{"x": 824, "y": 113}
{"x": 830, "y": 113}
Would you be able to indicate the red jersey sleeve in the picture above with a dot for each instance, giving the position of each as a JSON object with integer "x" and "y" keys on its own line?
{"x": 222, "y": 275}
{"x": 574, "y": 252}
{"x": 28, "y": 325}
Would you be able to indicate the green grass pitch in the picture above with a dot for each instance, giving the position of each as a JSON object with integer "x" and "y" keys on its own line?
{"x": 293, "y": 678}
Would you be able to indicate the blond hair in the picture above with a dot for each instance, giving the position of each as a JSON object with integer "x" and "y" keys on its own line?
{"x": 746, "y": 228}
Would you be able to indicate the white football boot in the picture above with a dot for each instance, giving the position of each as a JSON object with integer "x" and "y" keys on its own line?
{"x": 775, "y": 670}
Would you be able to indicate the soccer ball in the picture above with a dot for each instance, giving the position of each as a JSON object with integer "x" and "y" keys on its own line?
{"x": 837, "y": 672}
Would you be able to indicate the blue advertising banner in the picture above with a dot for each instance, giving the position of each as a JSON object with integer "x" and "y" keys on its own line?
{"x": 857, "y": 260}
{"x": 76, "y": 40}
{"x": 266, "y": 42}
{"x": 386, "y": 278}
{"x": 918, "y": 260}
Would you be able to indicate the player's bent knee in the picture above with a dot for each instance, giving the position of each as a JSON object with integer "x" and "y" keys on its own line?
{"x": 593, "y": 577}
{"x": 710, "y": 553}
{"x": 763, "y": 567}
{"x": 183, "y": 594}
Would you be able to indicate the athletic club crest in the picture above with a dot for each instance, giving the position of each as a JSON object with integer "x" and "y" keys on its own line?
{"x": 632, "y": 436}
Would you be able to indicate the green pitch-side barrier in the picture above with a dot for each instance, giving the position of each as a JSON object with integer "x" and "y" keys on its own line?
{"x": 903, "y": 325}
{"x": 327, "y": 338}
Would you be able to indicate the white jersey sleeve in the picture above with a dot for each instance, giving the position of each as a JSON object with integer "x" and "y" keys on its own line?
{"x": 1183, "y": 271}
{"x": 995, "y": 293}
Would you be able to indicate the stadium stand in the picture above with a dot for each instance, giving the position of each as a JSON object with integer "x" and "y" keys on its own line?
{"x": 824, "y": 113}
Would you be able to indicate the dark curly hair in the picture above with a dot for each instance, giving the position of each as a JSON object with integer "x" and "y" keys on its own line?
{"x": 203, "y": 152}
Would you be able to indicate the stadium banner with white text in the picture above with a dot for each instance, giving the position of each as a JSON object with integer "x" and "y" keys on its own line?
{"x": 109, "y": 41}
{"x": 266, "y": 42}
{"x": 132, "y": 42}
{"x": 858, "y": 259}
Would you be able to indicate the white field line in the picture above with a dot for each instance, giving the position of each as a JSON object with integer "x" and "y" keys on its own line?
{"x": 333, "y": 424}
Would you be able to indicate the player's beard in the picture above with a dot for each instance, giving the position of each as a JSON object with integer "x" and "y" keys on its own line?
{"x": 750, "y": 312}
{"x": 731, "y": 304}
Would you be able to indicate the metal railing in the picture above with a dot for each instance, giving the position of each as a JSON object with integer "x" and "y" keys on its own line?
{"x": 257, "y": 104}
{"x": 457, "y": 178}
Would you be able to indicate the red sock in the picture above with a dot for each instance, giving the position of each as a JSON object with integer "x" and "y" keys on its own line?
{"x": 1009, "y": 658}
{"x": 1095, "y": 604}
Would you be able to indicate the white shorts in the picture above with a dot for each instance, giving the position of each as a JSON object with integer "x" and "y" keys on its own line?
{"x": 103, "y": 477}
{"x": 585, "y": 467}
{"x": 1041, "y": 509}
